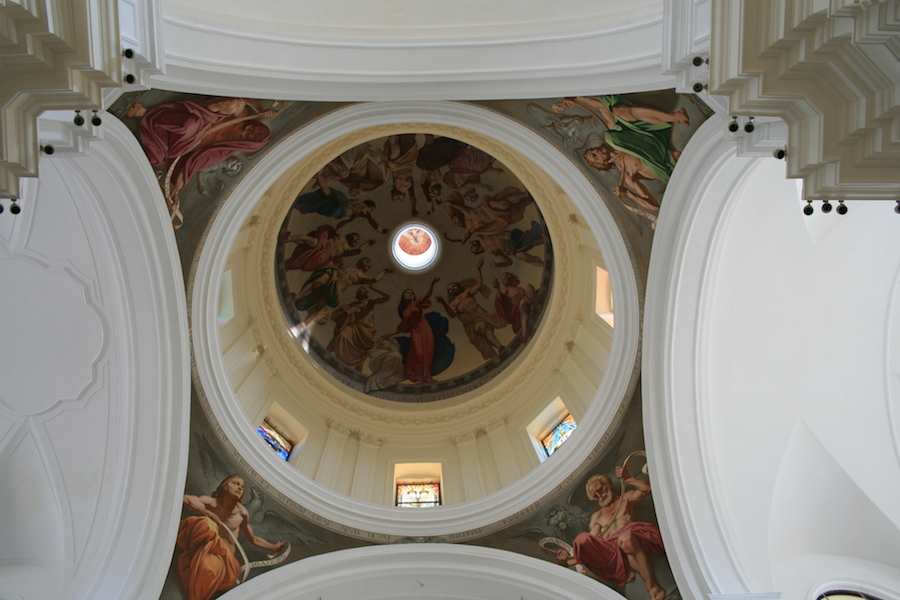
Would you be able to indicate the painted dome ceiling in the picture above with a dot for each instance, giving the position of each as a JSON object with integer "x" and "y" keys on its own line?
{"x": 413, "y": 267}
{"x": 309, "y": 315}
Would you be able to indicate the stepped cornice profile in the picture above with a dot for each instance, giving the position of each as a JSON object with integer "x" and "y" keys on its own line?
{"x": 56, "y": 54}
{"x": 830, "y": 73}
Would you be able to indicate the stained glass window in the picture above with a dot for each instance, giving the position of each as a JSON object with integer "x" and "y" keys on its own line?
{"x": 276, "y": 439}
{"x": 418, "y": 495}
{"x": 560, "y": 433}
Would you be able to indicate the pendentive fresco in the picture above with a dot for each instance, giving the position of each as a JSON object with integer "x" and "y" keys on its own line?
{"x": 365, "y": 319}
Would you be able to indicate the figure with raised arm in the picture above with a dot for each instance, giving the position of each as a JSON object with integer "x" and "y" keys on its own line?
{"x": 637, "y": 142}
{"x": 515, "y": 303}
{"x": 330, "y": 202}
{"x": 421, "y": 336}
{"x": 617, "y": 546}
{"x": 510, "y": 243}
{"x": 354, "y": 327}
{"x": 207, "y": 543}
{"x": 478, "y": 324}
{"x": 325, "y": 286}
{"x": 492, "y": 216}
{"x": 322, "y": 247}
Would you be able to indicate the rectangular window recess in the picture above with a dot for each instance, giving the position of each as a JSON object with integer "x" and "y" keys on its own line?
{"x": 276, "y": 439}
{"x": 604, "y": 301}
{"x": 417, "y": 485}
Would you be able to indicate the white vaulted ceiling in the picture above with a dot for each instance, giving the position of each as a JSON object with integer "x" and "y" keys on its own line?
{"x": 94, "y": 392}
{"x": 435, "y": 50}
{"x": 412, "y": 19}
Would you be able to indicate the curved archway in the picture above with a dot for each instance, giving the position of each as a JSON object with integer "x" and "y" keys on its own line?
{"x": 98, "y": 451}
{"x": 741, "y": 396}
{"x": 425, "y": 572}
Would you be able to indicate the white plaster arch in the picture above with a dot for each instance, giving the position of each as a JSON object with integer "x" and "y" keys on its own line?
{"x": 423, "y": 571}
{"x": 609, "y": 48}
{"x": 766, "y": 373}
{"x": 105, "y": 462}
{"x": 352, "y": 514}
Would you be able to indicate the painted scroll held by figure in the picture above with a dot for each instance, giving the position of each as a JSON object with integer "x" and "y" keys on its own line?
{"x": 637, "y": 142}
{"x": 207, "y": 544}
{"x": 617, "y": 547}
{"x": 183, "y": 137}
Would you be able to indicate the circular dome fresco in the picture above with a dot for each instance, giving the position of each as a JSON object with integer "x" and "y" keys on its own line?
{"x": 414, "y": 267}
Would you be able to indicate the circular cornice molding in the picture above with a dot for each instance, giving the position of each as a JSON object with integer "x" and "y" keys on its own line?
{"x": 352, "y": 516}
{"x": 422, "y": 571}
{"x": 538, "y": 359}
{"x": 266, "y": 293}
{"x": 415, "y": 23}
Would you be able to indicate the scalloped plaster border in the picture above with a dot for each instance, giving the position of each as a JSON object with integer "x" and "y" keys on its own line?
{"x": 366, "y": 520}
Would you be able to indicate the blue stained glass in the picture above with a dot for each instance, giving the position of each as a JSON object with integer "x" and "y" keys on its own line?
{"x": 560, "y": 433}
{"x": 279, "y": 443}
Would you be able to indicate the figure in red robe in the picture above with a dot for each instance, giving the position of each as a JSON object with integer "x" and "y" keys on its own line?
{"x": 421, "y": 337}
{"x": 185, "y": 137}
{"x": 617, "y": 546}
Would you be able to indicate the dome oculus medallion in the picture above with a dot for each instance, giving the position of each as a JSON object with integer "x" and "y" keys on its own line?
{"x": 414, "y": 267}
